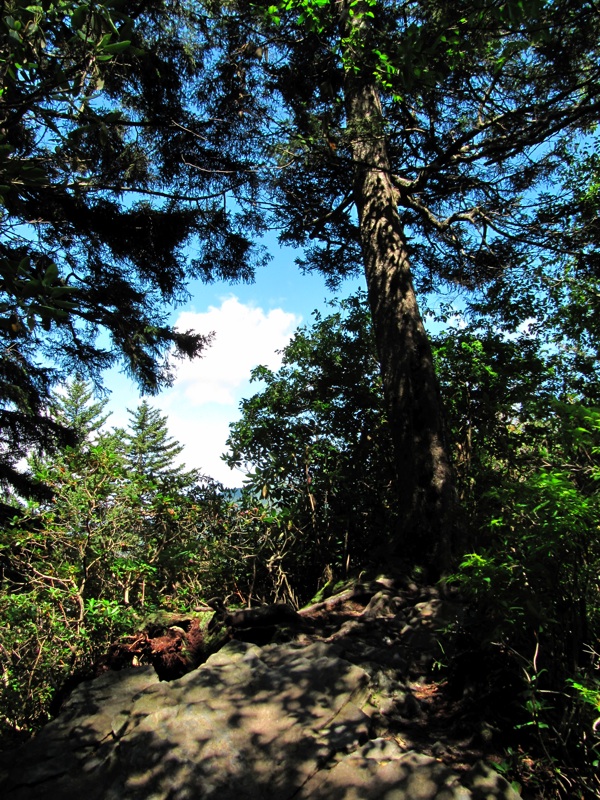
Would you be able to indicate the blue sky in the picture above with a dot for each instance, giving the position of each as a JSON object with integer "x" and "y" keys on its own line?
{"x": 251, "y": 322}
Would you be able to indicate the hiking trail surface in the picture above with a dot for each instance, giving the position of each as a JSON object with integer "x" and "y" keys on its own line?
{"x": 342, "y": 702}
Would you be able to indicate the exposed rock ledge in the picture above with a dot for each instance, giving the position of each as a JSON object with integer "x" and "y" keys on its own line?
{"x": 282, "y": 721}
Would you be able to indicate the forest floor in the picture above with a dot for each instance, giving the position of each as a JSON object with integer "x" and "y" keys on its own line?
{"x": 403, "y": 635}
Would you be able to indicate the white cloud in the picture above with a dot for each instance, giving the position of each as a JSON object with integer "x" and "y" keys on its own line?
{"x": 205, "y": 396}
{"x": 245, "y": 336}
{"x": 204, "y": 435}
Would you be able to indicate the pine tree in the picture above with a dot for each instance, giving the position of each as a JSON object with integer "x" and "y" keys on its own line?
{"x": 166, "y": 500}
{"x": 424, "y": 143}
{"x": 77, "y": 410}
{"x": 100, "y": 206}
{"x": 151, "y": 452}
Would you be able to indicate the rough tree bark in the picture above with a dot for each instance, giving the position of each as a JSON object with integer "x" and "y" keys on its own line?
{"x": 424, "y": 473}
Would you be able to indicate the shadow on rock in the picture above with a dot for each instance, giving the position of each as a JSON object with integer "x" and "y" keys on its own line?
{"x": 300, "y": 719}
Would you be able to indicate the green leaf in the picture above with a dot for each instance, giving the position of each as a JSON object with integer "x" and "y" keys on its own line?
{"x": 117, "y": 47}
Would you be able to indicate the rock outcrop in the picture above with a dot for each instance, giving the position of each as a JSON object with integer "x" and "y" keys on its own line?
{"x": 316, "y": 718}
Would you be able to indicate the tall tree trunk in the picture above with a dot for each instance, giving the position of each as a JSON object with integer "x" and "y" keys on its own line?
{"x": 425, "y": 485}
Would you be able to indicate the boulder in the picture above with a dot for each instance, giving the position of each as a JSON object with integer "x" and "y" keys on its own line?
{"x": 331, "y": 715}
{"x": 277, "y": 722}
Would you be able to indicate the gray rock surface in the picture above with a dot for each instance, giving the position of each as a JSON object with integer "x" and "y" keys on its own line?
{"x": 293, "y": 720}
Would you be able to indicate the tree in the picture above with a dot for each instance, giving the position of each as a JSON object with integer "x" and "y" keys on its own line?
{"x": 417, "y": 139}
{"x": 425, "y": 142}
{"x": 78, "y": 568}
{"x": 149, "y": 450}
{"x": 97, "y": 206}
{"x": 58, "y": 600}
{"x": 166, "y": 502}
{"x": 314, "y": 443}
{"x": 79, "y": 411}
{"x": 524, "y": 438}
{"x": 525, "y": 443}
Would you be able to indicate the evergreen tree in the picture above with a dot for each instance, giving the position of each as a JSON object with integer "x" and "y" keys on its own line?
{"x": 423, "y": 142}
{"x": 524, "y": 438}
{"x": 111, "y": 538}
{"x": 78, "y": 411}
{"x": 417, "y": 139}
{"x": 100, "y": 205}
{"x": 165, "y": 498}
{"x": 150, "y": 451}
